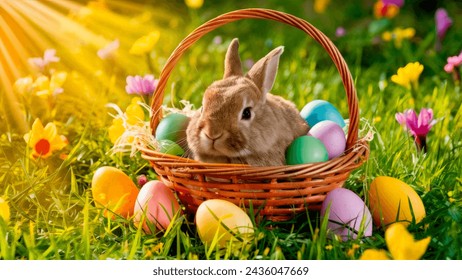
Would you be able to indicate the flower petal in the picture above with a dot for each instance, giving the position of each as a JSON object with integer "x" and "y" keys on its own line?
{"x": 50, "y": 131}
{"x": 400, "y": 118}
{"x": 402, "y": 245}
{"x": 35, "y": 133}
{"x": 374, "y": 254}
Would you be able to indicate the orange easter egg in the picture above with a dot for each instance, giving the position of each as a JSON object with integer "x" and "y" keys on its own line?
{"x": 114, "y": 190}
{"x": 391, "y": 200}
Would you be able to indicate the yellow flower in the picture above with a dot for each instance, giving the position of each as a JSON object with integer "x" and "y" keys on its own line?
{"x": 4, "y": 210}
{"x": 320, "y": 6}
{"x": 23, "y": 85}
{"x": 373, "y": 254}
{"x": 116, "y": 129}
{"x": 194, "y": 4}
{"x": 401, "y": 245}
{"x": 44, "y": 141}
{"x": 134, "y": 115}
{"x": 134, "y": 112}
{"x": 408, "y": 75}
{"x": 145, "y": 44}
{"x": 45, "y": 87}
{"x": 398, "y": 35}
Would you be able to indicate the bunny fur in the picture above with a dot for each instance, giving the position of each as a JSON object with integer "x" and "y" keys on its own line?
{"x": 240, "y": 121}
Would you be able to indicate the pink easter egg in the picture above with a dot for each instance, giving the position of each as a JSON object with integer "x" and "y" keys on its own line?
{"x": 158, "y": 203}
{"x": 331, "y": 135}
{"x": 348, "y": 214}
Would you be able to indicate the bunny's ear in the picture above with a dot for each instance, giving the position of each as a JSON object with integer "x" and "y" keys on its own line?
{"x": 232, "y": 61}
{"x": 263, "y": 73}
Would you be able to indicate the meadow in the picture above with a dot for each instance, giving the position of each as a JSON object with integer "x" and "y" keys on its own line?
{"x": 66, "y": 64}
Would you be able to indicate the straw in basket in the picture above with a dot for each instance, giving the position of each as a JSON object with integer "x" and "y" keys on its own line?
{"x": 276, "y": 193}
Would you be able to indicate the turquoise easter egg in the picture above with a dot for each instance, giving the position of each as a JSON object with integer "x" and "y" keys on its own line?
{"x": 321, "y": 110}
{"x": 306, "y": 149}
{"x": 172, "y": 127}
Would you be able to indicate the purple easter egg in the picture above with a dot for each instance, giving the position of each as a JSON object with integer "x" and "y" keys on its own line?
{"x": 348, "y": 214}
{"x": 331, "y": 135}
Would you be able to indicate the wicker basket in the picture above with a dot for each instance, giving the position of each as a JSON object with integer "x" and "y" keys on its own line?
{"x": 276, "y": 193}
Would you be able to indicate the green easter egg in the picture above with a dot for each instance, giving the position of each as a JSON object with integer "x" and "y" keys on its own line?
{"x": 306, "y": 149}
{"x": 170, "y": 147}
{"x": 172, "y": 127}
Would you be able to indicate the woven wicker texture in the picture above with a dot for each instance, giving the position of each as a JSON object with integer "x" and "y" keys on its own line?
{"x": 278, "y": 192}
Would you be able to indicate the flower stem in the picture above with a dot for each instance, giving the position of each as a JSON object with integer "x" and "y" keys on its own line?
{"x": 421, "y": 143}
{"x": 456, "y": 75}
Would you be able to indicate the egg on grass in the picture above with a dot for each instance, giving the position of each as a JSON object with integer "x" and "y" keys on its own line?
{"x": 156, "y": 206}
{"x": 348, "y": 214}
{"x": 391, "y": 200}
{"x": 220, "y": 222}
{"x": 114, "y": 190}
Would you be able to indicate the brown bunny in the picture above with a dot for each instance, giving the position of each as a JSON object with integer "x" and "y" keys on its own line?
{"x": 240, "y": 121}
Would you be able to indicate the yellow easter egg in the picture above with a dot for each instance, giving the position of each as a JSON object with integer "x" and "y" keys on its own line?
{"x": 221, "y": 221}
{"x": 391, "y": 200}
{"x": 114, "y": 190}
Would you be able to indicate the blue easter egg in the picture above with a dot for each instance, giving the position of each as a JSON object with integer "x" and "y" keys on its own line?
{"x": 321, "y": 110}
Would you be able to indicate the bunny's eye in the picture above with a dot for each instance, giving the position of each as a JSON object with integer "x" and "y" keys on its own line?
{"x": 246, "y": 114}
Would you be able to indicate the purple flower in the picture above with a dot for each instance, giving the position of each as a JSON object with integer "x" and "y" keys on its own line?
{"x": 141, "y": 85}
{"x": 49, "y": 56}
{"x": 398, "y": 3}
{"x": 443, "y": 22}
{"x": 109, "y": 50}
{"x": 340, "y": 31}
{"x": 418, "y": 126}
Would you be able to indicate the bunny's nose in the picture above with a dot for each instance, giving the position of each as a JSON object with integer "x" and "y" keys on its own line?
{"x": 213, "y": 136}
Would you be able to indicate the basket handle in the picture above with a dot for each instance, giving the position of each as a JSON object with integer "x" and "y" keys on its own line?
{"x": 256, "y": 13}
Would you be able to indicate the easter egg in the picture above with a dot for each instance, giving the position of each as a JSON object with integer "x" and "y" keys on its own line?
{"x": 331, "y": 135}
{"x": 321, "y": 110}
{"x": 348, "y": 214}
{"x": 391, "y": 200}
{"x": 114, "y": 190}
{"x": 306, "y": 149}
{"x": 172, "y": 127}
{"x": 170, "y": 147}
{"x": 156, "y": 205}
{"x": 222, "y": 221}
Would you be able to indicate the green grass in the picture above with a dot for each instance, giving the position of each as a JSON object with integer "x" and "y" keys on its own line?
{"x": 53, "y": 213}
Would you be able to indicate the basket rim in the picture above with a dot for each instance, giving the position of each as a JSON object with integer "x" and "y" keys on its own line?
{"x": 347, "y": 162}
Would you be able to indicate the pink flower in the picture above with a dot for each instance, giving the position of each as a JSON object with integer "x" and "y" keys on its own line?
{"x": 453, "y": 61}
{"x": 443, "y": 22}
{"x": 418, "y": 126}
{"x": 340, "y": 31}
{"x": 141, "y": 85}
{"x": 142, "y": 180}
{"x": 49, "y": 56}
{"x": 109, "y": 50}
